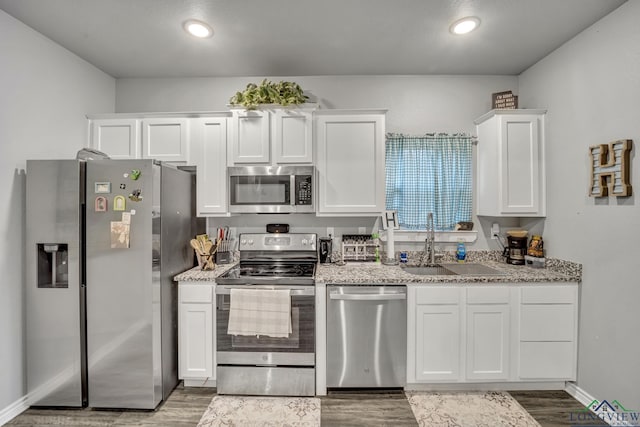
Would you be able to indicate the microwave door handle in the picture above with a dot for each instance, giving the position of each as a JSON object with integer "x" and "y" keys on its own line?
{"x": 292, "y": 190}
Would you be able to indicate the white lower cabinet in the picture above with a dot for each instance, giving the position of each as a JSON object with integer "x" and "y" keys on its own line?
{"x": 488, "y": 332}
{"x": 436, "y": 333}
{"x": 498, "y": 333}
{"x": 437, "y": 342}
{"x": 548, "y": 332}
{"x": 196, "y": 334}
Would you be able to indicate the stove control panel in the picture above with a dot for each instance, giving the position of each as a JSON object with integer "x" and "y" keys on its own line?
{"x": 278, "y": 241}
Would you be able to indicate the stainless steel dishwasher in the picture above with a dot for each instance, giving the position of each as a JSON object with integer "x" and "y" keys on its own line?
{"x": 366, "y": 336}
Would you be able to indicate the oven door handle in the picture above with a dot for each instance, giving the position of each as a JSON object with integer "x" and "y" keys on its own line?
{"x": 367, "y": 297}
{"x": 226, "y": 290}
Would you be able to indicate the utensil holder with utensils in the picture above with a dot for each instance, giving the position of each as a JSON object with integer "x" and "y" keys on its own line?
{"x": 205, "y": 251}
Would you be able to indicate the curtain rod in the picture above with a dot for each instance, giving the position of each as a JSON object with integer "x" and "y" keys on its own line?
{"x": 432, "y": 135}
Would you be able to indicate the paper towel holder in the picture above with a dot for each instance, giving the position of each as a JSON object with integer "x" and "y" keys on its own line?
{"x": 390, "y": 223}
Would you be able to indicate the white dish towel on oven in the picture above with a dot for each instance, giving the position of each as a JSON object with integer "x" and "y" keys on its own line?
{"x": 260, "y": 312}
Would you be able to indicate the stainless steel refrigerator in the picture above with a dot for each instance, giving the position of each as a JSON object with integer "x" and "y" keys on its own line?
{"x": 104, "y": 239}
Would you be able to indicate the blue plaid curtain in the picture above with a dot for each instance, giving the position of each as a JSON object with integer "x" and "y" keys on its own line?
{"x": 430, "y": 173}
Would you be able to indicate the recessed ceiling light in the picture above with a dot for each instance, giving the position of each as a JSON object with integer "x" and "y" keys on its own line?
{"x": 465, "y": 25}
{"x": 198, "y": 28}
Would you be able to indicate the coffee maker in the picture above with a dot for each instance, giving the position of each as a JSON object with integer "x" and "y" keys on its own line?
{"x": 325, "y": 248}
{"x": 516, "y": 249}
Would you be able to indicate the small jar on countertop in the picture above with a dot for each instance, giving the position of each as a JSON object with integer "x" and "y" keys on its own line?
{"x": 536, "y": 247}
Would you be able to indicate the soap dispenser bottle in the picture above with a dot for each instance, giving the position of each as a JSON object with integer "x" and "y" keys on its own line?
{"x": 461, "y": 252}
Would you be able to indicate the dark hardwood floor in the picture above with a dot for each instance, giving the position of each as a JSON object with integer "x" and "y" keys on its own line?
{"x": 185, "y": 406}
{"x": 553, "y": 408}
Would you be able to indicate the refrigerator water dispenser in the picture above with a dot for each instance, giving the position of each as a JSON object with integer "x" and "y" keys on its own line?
{"x": 52, "y": 265}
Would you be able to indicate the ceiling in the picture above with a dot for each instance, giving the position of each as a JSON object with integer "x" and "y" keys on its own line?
{"x": 144, "y": 38}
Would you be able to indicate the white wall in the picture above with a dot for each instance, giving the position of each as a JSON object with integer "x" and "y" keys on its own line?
{"x": 416, "y": 104}
{"x": 45, "y": 93}
{"x": 591, "y": 86}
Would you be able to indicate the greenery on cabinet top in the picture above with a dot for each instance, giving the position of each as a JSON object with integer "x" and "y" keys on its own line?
{"x": 267, "y": 92}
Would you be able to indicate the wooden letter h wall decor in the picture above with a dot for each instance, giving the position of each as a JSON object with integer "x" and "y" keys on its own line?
{"x": 610, "y": 169}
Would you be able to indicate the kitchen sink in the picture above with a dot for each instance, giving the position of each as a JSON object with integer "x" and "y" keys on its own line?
{"x": 429, "y": 270}
{"x": 473, "y": 269}
{"x": 463, "y": 269}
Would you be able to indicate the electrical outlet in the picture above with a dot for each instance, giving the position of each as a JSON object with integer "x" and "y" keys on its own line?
{"x": 232, "y": 232}
{"x": 495, "y": 230}
{"x": 362, "y": 230}
{"x": 330, "y": 232}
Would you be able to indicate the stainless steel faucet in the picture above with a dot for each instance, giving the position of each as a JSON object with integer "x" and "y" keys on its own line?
{"x": 429, "y": 242}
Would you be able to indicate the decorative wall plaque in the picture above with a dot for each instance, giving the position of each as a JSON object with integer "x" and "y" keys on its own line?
{"x": 610, "y": 169}
{"x": 504, "y": 100}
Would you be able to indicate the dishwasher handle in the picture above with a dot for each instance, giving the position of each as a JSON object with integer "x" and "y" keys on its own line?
{"x": 367, "y": 297}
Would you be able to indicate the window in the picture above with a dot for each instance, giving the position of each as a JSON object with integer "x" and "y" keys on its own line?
{"x": 430, "y": 173}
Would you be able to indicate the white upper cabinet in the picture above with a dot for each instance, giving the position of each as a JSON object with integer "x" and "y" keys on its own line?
{"x": 159, "y": 138}
{"x": 293, "y": 136}
{"x": 119, "y": 138}
{"x": 350, "y": 162}
{"x": 209, "y": 153}
{"x": 511, "y": 168}
{"x": 165, "y": 139}
{"x": 250, "y": 141}
{"x": 272, "y": 136}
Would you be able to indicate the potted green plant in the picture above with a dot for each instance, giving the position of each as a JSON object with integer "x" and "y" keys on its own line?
{"x": 267, "y": 92}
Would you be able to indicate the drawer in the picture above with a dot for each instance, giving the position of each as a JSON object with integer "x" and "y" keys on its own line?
{"x": 547, "y": 360}
{"x": 549, "y": 294}
{"x": 438, "y": 295}
{"x": 547, "y": 322}
{"x": 196, "y": 293}
{"x": 488, "y": 295}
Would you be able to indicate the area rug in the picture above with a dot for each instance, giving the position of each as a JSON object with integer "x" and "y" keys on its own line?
{"x": 468, "y": 409}
{"x": 253, "y": 411}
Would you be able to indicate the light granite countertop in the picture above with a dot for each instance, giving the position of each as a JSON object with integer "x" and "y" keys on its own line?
{"x": 196, "y": 274}
{"x": 373, "y": 273}
{"x": 376, "y": 273}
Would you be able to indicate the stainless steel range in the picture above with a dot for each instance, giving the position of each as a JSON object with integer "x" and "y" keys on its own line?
{"x": 262, "y": 364}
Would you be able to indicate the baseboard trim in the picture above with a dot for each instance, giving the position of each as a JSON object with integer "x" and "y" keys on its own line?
{"x": 546, "y": 385}
{"x": 586, "y": 399}
{"x": 579, "y": 394}
{"x": 204, "y": 382}
{"x": 13, "y": 410}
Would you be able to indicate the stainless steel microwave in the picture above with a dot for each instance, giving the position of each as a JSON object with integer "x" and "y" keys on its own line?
{"x": 271, "y": 189}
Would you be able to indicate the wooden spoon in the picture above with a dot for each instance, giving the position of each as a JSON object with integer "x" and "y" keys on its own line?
{"x": 197, "y": 247}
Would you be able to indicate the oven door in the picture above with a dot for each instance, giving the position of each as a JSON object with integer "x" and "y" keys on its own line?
{"x": 298, "y": 349}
